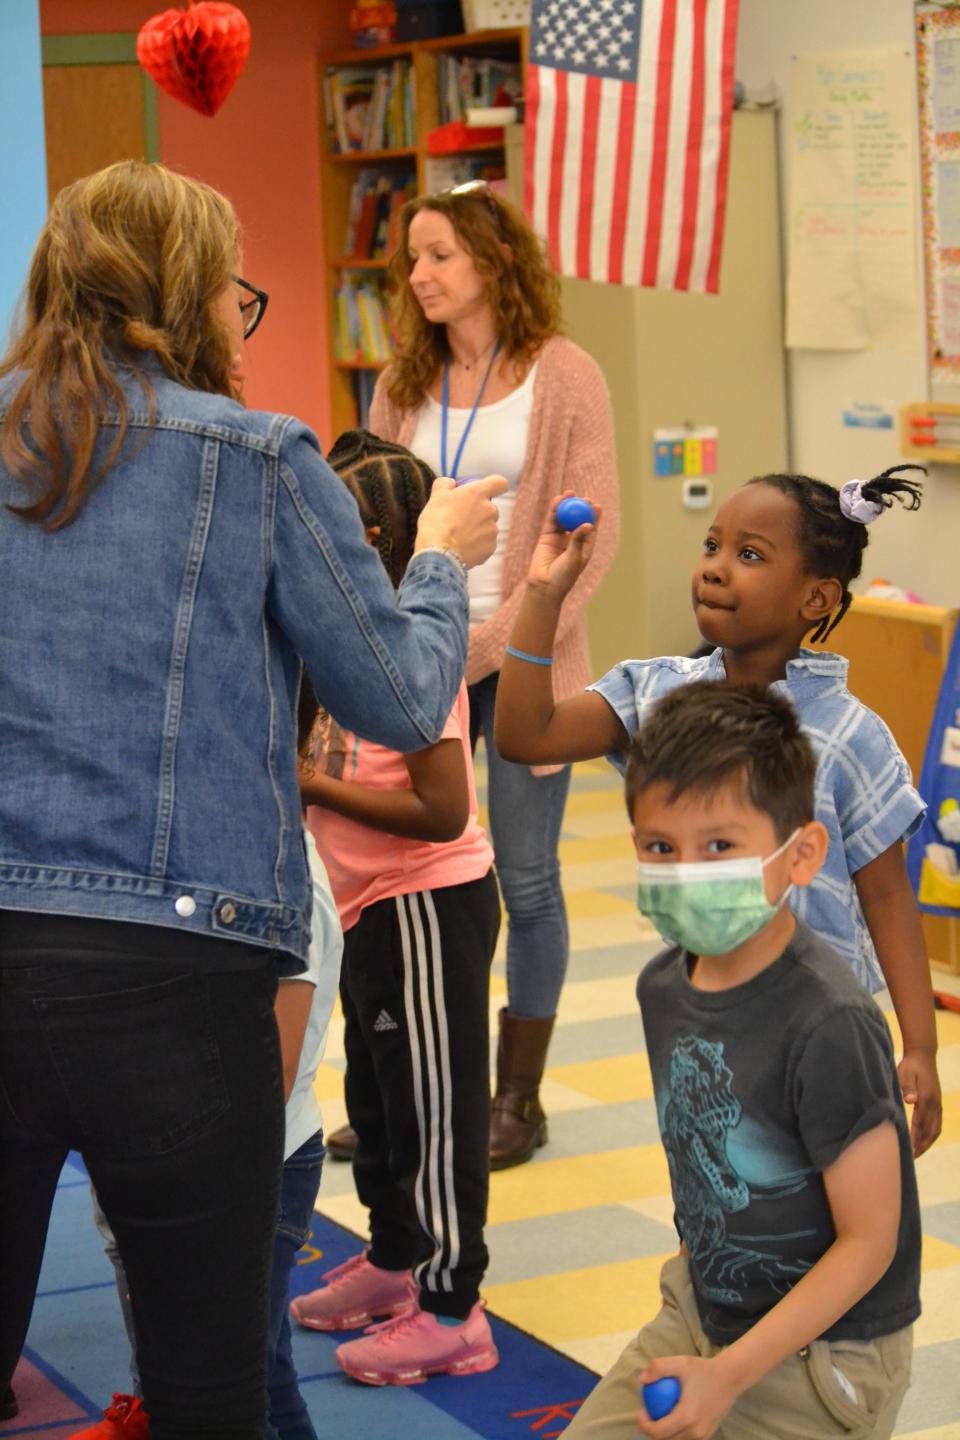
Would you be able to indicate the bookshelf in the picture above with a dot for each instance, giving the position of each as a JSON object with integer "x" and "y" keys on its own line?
{"x": 351, "y": 276}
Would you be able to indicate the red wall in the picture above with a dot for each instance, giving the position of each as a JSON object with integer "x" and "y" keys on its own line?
{"x": 262, "y": 150}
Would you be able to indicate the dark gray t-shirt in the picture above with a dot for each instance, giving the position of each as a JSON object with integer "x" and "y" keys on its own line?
{"x": 759, "y": 1089}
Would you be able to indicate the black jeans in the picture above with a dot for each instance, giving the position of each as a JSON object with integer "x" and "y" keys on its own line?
{"x": 166, "y": 1077}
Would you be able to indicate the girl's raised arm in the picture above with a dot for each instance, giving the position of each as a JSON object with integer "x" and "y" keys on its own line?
{"x": 529, "y": 727}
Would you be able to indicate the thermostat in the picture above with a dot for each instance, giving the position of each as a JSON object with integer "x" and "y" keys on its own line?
{"x": 697, "y": 494}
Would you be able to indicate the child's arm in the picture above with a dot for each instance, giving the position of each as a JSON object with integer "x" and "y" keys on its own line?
{"x": 292, "y": 1011}
{"x": 435, "y": 808}
{"x": 863, "y": 1190}
{"x": 894, "y": 923}
{"x": 529, "y": 727}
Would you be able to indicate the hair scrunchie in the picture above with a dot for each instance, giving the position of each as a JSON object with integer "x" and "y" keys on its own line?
{"x": 857, "y": 506}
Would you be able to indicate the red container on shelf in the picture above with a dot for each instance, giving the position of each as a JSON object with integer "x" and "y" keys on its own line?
{"x": 456, "y": 136}
{"x": 373, "y": 24}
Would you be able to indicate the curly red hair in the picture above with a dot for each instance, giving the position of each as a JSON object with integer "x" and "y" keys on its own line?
{"x": 522, "y": 286}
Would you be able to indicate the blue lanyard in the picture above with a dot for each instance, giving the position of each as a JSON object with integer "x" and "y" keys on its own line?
{"x": 452, "y": 474}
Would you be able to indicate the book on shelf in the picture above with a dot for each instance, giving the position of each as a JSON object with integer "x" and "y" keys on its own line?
{"x": 370, "y": 107}
{"x": 348, "y": 93}
{"x": 364, "y": 383}
{"x": 444, "y": 171}
{"x": 466, "y": 82}
{"x": 361, "y": 324}
{"x": 373, "y": 217}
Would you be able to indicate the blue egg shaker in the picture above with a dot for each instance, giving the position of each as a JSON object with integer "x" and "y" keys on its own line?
{"x": 660, "y": 1396}
{"x": 573, "y": 512}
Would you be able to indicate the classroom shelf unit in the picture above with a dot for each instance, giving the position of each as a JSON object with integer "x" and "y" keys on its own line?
{"x": 345, "y": 174}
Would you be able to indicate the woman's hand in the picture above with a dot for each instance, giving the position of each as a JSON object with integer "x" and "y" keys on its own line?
{"x": 560, "y": 557}
{"x": 463, "y": 518}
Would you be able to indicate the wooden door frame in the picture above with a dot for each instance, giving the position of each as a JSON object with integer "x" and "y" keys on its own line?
{"x": 107, "y": 49}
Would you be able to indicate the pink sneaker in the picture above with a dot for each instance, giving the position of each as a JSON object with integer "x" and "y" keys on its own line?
{"x": 355, "y": 1293}
{"x": 406, "y": 1350}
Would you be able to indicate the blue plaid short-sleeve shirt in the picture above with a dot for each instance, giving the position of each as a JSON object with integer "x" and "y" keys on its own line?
{"x": 864, "y": 791}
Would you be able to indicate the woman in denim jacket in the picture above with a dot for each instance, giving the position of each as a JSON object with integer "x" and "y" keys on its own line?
{"x": 167, "y": 558}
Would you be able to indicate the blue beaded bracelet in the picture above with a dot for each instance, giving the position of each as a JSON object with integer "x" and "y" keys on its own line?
{"x": 533, "y": 659}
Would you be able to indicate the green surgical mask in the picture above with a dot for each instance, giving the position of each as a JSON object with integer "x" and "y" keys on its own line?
{"x": 709, "y": 907}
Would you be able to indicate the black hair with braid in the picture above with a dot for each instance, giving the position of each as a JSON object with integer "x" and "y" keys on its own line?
{"x": 390, "y": 486}
{"x": 832, "y": 545}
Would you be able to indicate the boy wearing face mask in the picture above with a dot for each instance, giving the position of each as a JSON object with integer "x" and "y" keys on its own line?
{"x": 788, "y": 1311}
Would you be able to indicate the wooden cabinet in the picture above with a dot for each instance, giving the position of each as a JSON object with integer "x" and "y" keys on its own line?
{"x": 897, "y": 656}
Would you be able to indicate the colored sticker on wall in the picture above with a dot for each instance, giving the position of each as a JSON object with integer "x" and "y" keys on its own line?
{"x": 661, "y": 457}
{"x": 689, "y": 450}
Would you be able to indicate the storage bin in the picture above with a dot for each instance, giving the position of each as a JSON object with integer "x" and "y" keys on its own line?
{"x": 428, "y": 19}
{"x": 495, "y": 14}
{"x": 455, "y": 137}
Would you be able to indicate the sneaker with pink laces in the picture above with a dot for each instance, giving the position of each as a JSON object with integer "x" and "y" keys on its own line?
{"x": 415, "y": 1345}
{"x": 125, "y": 1419}
{"x": 355, "y": 1293}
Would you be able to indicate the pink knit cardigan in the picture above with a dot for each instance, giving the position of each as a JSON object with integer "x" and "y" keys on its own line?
{"x": 570, "y": 447}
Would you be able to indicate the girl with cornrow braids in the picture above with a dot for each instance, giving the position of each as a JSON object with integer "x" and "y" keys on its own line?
{"x": 390, "y": 486}
{"x": 777, "y": 565}
{"x": 411, "y": 872}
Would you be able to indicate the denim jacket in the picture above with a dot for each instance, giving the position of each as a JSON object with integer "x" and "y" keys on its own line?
{"x": 150, "y": 660}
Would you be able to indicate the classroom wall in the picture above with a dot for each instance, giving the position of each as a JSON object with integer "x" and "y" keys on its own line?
{"x": 23, "y": 177}
{"x": 918, "y": 551}
{"x": 262, "y": 150}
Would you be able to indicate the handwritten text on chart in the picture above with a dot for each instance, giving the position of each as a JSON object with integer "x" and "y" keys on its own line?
{"x": 946, "y": 85}
{"x": 851, "y": 279}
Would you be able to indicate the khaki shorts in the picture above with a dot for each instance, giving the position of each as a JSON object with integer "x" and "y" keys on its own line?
{"x": 801, "y": 1399}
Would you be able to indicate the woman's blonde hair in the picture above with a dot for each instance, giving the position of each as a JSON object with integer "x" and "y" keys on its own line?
{"x": 522, "y": 287}
{"x": 129, "y": 264}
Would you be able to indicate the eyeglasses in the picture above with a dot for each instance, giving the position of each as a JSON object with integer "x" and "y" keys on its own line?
{"x": 251, "y": 310}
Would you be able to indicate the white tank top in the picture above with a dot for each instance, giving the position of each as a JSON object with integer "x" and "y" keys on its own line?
{"x": 496, "y": 445}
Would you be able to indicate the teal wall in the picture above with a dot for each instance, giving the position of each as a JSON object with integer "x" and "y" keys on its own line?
{"x": 23, "y": 166}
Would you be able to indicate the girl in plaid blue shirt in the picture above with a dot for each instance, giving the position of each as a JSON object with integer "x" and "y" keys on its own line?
{"x": 776, "y": 567}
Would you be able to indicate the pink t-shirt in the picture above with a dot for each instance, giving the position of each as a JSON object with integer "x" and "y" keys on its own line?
{"x": 368, "y": 865}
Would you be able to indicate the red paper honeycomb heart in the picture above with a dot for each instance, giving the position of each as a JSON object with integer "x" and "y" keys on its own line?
{"x": 196, "y": 55}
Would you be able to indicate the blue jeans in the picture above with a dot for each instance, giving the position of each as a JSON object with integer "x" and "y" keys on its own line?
{"x": 299, "y": 1184}
{"x": 298, "y": 1191}
{"x": 526, "y": 815}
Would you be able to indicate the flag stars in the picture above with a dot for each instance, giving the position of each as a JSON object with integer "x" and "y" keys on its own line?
{"x": 589, "y": 36}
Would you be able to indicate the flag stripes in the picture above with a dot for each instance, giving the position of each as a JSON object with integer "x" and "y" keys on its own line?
{"x": 627, "y": 137}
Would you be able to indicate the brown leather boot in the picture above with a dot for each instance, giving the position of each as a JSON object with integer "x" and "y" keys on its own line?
{"x": 518, "y": 1125}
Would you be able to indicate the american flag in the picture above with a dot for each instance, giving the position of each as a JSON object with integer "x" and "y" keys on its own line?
{"x": 628, "y": 137}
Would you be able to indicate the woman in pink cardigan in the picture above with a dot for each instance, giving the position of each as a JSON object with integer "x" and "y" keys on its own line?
{"x": 484, "y": 383}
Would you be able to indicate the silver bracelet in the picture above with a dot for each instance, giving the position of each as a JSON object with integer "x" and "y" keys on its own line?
{"x": 454, "y": 555}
